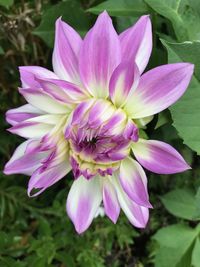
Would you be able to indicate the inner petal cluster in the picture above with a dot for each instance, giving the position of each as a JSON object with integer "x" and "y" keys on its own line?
{"x": 99, "y": 136}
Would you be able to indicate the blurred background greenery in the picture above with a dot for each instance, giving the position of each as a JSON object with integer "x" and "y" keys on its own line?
{"x": 37, "y": 232}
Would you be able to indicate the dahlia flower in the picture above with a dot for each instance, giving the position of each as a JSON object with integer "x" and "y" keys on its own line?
{"x": 85, "y": 117}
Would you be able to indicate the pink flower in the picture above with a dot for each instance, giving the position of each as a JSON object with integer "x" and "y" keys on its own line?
{"x": 85, "y": 117}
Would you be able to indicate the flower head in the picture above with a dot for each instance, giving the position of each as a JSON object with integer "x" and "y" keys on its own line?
{"x": 85, "y": 117}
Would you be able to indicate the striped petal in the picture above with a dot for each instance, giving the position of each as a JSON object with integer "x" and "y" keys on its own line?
{"x": 16, "y": 115}
{"x": 37, "y": 126}
{"x": 28, "y": 73}
{"x": 30, "y": 129}
{"x": 43, "y": 178}
{"x": 134, "y": 182}
{"x": 158, "y": 89}
{"x": 116, "y": 124}
{"x": 136, "y": 42}
{"x": 137, "y": 215}
{"x": 99, "y": 56}
{"x": 159, "y": 157}
{"x": 51, "y": 119}
{"x": 100, "y": 112}
{"x": 110, "y": 201}
{"x": 124, "y": 79}
{"x": 43, "y": 101}
{"x": 66, "y": 50}
{"x": 131, "y": 131}
{"x": 80, "y": 112}
{"x": 20, "y": 162}
{"x": 83, "y": 201}
{"x": 63, "y": 91}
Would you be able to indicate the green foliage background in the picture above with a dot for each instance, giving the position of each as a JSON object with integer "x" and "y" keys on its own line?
{"x": 37, "y": 232}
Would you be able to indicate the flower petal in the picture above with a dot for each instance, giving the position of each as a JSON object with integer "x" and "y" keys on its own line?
{"x": 51, "y": 119}
{"x": 37, "y": 126}
{"x": 83, "y": 201}
{"x": 110, "y": 201}
{"x": 44, "y": 178}
{"x": 158, "y": 89}
{"x": 23, "y": 162}
{"x": 136, "y": 42}
{"x": 136, "y": 214}
{"x": 116, "y": 124}
{"x": 100, "y": 112}
{"x": 99, "y": 56}
{"x": 131, "y": 131}
{"x": 80, "y": 112}
{"x": 16, "y": 115}
{"x": 65, "y": 54}
{"x": 159, "y": 157}
{"x": 28, "y": 73}
{"x": 63, "y": 91}
{"x": 134, "y": 182}
{"x": 124, "y": 79}
{"x": 43, "y": 101}
{"x": 30, "y": 129}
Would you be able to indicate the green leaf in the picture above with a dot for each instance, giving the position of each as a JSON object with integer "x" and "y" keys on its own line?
{"x": 163, "y": 118}
{"x": 174, "y": 235}
{"x": 1, "y": 51}
{"x": 9, "y": 262}
{"x": 188, "y": 52}
{"x": 5, "y": 240}
{"x": 121, "y": 7}
{"x": 44, "y": 227}
{"x": 185, "y": 112}
{"x": 195, "y": 5}
{"x": 6, "y": 3}
{"x": 39, "y": 262}
{"x": 176, "y": 243}
{"x": 71, "y": 13}
{"x": 180, "y": 202}
{"x": 196, "y": 254}
{"x": 66, "y": 259}
{"x": 197, "y": 204}
{"x": 184, "y": 18}
{"x": 45, "y": 248}
{"x": 166, "y": 257}
{"x": 123, "y": 23}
